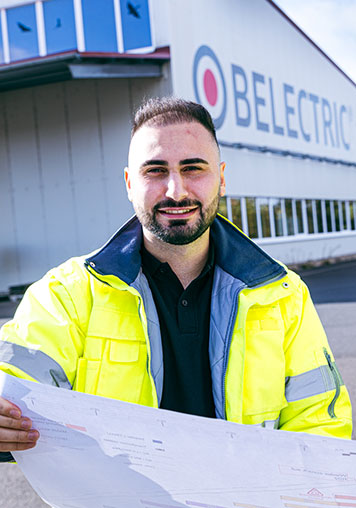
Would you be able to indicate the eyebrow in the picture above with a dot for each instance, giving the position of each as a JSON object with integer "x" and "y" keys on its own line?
{"x": 184, "y": 162}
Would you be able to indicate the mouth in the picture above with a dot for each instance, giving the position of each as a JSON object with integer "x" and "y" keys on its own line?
{"x": 177, "y": 212}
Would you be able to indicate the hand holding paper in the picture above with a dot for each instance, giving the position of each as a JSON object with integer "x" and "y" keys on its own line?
{"x": 16, "y": 431}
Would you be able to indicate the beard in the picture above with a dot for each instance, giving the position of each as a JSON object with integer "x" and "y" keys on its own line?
{"x": 178, "y": 231}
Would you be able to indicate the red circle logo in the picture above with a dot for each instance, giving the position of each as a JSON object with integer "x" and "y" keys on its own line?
{"x": 209, "y": 84}
{"x": 210, "y": 87}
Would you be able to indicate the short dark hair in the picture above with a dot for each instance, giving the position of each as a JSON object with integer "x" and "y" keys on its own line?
{"x": 161, "y": 111}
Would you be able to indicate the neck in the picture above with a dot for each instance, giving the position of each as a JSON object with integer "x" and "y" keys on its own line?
{"x": 186, "y": 261}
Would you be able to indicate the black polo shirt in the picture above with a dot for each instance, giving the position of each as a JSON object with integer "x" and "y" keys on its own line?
{"x": 184, "y": 316}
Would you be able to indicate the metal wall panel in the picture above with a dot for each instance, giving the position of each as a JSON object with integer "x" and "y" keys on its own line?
{"x": 57, "y": 172}
{"x": 26, "y": 171}
{"x": 63, "y": 148}
{"x": 9, "y": 269}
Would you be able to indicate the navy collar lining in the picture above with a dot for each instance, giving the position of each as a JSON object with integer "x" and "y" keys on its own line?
{"x": 234, "y": 253}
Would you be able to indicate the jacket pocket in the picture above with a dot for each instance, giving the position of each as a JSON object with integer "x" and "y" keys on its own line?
{"x": 114, "y": 363}
{"x": 264, "y": 368}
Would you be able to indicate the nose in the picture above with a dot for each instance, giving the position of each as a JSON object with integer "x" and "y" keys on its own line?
{"x": 176, "y": 189}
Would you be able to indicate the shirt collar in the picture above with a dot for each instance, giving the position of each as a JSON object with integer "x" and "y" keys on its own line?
{"x": 153, "y": 266}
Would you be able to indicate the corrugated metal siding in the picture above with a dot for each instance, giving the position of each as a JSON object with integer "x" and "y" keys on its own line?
{"x": 63, "y": 148}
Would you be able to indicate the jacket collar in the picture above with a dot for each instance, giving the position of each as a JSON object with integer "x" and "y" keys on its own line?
{"x": 235, "y": 253}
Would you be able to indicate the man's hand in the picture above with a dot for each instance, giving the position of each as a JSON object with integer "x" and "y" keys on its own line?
{"x": 16, "y": 431}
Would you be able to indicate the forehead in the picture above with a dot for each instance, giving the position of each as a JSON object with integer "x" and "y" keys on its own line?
{"x": 173, "y": 142}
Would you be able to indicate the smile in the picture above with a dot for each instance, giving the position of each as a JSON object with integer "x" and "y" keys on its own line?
{"x": 181, "y": 212}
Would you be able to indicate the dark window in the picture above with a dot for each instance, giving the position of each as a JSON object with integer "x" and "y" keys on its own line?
{"x": 236, "y": 212}
{"x": 59, "y": 25}
{"x": 251, "y": 217}
{"x": 343, "y": 211}
{"x": 337, "y": 216}
{"x": 135, "y": 20}
{"x": 319, "y": 215}
{"x": 352, "y": 206}
{"x": 99, "y": 25}
{"x": 22, "y": 29}
{"x": 277, "y": 216}
{"x": 223, "y": 207}
{"x": 264, "y": 211}
{"x": 329, "y": 222}
{"x": 289, "y": 216}
{"x": 310, "y": 216}
{"x": 298, "y": 205}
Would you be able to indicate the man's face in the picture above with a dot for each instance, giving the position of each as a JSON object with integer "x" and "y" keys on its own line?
{"x": 175, "y": 180}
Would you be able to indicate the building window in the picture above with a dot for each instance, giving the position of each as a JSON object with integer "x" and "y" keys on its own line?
{"x": 236, "y": 212}
{"x": 344, "y": 224}
{"x": 352, "y": 211}
{"x": 223, "y": 207}
{"x": 251, "y": 217}
{"x": 329, "y": 206}
{"x": 310, "y": 219}
{"x": 289, "y": 216}
{"x": 277, "y": 216}
{"x": 319, "y": 216}
{"x": 299, "y": 212}
{"x": 264, "y": 214}
{"x": 22, "y": 31}
{"x": 263, "y": 217}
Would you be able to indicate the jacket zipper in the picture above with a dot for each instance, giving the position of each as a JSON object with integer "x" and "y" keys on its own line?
{"x": 141, "y": 308}
{"x": 331, "y": 407}
{"x": 227, "y": 350}
{"x": 231, "y": 329}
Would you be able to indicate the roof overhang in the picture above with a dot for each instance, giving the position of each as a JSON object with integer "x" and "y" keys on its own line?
{"x": 78, "y": 65}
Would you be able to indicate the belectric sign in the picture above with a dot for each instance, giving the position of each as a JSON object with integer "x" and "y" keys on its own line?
{"x": 256, "y": 95}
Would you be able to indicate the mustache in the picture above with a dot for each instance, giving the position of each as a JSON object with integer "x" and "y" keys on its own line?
{"x": 170, "y": 203}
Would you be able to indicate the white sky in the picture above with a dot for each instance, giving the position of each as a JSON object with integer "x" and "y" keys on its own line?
{"x": 331, "y": 24}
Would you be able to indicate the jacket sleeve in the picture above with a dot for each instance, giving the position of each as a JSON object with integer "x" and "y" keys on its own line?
{"x": 317, "y": 399}
{"x": 44, "y": 340}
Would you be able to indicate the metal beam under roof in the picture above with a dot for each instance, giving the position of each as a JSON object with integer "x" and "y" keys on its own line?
{"x": 75, "y": 65}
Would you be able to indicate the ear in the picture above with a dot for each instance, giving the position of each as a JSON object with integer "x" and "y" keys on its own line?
{"x": 222, "y": 179}
{"x": 127, "y": 182}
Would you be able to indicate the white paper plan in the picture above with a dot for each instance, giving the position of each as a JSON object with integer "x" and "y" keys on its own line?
{"x": 101, "y": 453}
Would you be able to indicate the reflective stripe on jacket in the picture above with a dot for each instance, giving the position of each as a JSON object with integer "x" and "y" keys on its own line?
{"x": 91, "y": 325}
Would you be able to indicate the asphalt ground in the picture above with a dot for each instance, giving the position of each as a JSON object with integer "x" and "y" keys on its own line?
{"x": 333, "y": 289}
{"x": 335, "y": 283}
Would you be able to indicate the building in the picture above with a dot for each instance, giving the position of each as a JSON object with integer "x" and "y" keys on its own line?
{"x": 72, "y": 72}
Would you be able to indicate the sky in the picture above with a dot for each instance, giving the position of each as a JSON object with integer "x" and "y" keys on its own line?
{"x": 331, "y": 24}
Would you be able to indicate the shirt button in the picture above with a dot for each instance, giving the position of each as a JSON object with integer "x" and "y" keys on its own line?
{"x": 184, "y": 303}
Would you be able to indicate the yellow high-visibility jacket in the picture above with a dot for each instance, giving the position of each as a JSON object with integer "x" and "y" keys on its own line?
{"x": 91, "y": 325}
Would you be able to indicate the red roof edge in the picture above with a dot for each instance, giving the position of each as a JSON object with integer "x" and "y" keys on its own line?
{"x": 158, "y": 54}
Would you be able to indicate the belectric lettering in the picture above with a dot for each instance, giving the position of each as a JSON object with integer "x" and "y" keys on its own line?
{"x": 306, "y": 115}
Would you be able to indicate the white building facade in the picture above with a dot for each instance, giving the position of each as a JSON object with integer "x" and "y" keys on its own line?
{"x": 73, "y": 71}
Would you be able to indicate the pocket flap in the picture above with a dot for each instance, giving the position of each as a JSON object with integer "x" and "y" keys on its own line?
{"x": 114, "y": 324}
{"x": 124, "y": 352}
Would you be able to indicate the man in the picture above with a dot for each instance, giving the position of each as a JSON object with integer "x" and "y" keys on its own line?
{"x": 179, "y": 310}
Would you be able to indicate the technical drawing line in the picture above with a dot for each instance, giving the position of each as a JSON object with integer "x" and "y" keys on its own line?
{"x": 244, "y": 505}
{"x": 158, "y": 505}
{"x": 203, "y": 505}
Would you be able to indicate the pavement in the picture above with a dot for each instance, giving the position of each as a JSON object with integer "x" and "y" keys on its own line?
{"x": 333, "y": 290}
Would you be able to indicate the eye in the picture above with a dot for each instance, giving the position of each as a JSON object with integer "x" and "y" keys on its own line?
{"x": 155, "y": 170}
{"x": 192, "y": 168}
